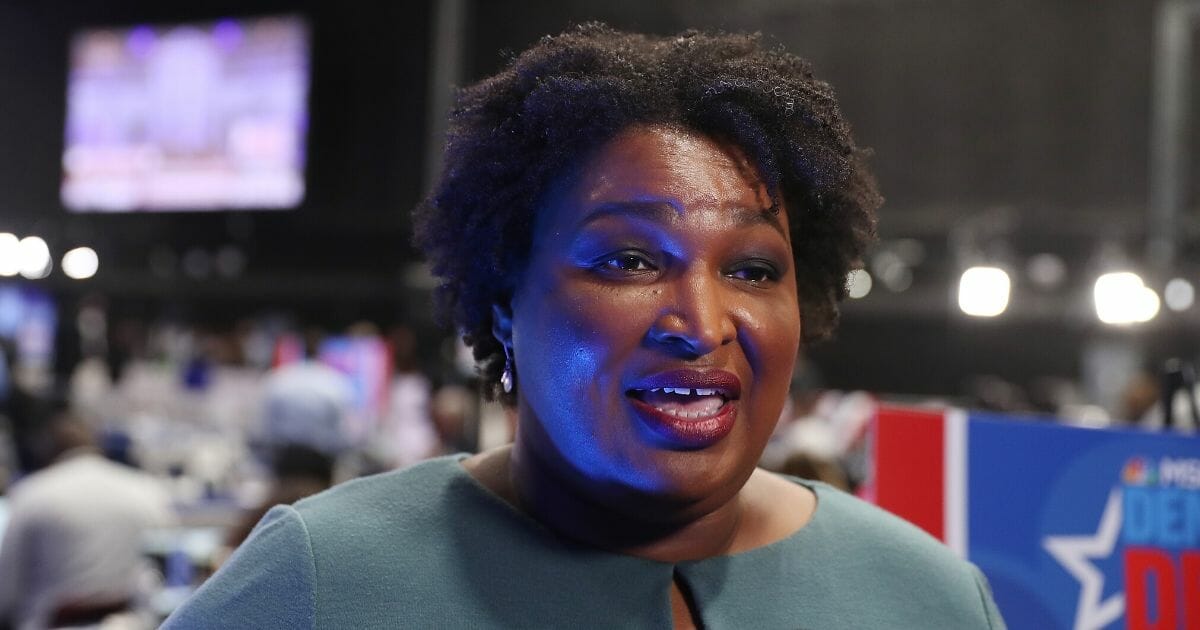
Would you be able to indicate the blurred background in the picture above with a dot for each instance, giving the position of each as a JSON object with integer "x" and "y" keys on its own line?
{"x": 196, "y": 196}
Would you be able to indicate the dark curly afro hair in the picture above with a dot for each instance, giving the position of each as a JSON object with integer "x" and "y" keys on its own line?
{"x": 511, "y": 134}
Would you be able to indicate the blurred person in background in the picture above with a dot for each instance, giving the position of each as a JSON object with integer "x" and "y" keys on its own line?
{"x": 629, "y": 232}
{"x": 406, "y": 434}
{"x": 8, "y": 457}
{"x": 6, "y": 372}
{"x": 299, "y": 471}
{"x": 821, "y": 432}
{"x": 1169, "y": 400}
{"x": 72, "y": 553}
{"x": 451, "y": 408}
{"x": 21, "y": 407}
{"x": 993, "y": 393}
{"x": 1140, "y": 398}
{"x": 8, "y": 447}
{"x": 307, "y": 402}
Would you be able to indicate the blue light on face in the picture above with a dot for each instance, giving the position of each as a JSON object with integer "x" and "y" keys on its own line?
{"x": 564, "y": 374}
{"x": 659, "y": 232}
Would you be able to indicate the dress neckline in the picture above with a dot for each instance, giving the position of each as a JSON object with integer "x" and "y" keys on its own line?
{"x": 816, "y": 520}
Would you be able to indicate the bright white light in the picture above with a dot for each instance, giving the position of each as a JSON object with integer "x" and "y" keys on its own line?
{"x": 1123, "y": 298}
{"x": 80, "y": 263}
{"x": 33, "y": 258}
{"x": 983, "y": 291}
{"x": 10, "y": 260}
{"x": 1179, "y": 294}
{"x": 858, "y": 281}
{"x": 1147, "y": 305}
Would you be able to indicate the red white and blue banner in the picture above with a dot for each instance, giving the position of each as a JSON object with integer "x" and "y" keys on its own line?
{"x": 1075, "y": 528}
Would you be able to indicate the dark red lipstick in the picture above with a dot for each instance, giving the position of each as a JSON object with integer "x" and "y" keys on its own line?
{"x": 690, "y": 409}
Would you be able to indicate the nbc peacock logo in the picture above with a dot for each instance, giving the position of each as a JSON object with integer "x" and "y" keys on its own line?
{"x": 1138, "y": 472}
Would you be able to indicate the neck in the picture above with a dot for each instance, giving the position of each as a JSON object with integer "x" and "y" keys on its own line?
{"x": 620, "y": 521}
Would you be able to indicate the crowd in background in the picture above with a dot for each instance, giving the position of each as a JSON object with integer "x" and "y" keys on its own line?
{"x": 178, "y": 447}
{"x": 181, "y": 443}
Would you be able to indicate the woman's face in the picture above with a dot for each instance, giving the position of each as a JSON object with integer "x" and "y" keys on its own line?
{"x": 656, "y": 326}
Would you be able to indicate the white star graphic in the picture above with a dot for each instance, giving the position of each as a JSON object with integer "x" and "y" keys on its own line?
{"x": 1072, "y": 552}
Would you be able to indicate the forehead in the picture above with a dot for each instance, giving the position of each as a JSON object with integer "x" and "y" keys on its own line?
{"x": 680, "y": 167}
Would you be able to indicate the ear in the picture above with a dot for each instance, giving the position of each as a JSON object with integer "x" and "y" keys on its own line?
{"x": 502, "y": 324}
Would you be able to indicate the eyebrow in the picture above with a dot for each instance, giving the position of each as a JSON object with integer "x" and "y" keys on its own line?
{"x": 664, "y": 211}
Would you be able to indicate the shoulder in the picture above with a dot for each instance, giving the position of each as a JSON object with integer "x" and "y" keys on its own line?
{"x": 388, "y": 523}
{"x": 51, "y": 482}
{"x": 869, "y": 525}
{"x": 421, "y": 536}
{"x": 123, "y": 486}
{"x": 418, "y": 492}
{"x": 898, "y": 564}
{"x": 267, "y": 583}
{"x": 310, "y": 564}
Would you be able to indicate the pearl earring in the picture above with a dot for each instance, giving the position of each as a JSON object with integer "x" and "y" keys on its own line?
{"x": 506, "y": 378}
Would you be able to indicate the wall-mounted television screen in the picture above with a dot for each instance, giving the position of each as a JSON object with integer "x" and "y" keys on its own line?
{"x": 187, "y": 117}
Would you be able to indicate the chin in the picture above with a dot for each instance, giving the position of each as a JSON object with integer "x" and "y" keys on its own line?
{"x": 704, "y": 478}
{"x": 639, "y": 469}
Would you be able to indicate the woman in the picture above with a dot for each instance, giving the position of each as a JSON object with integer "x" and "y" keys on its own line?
{"x": 634, "y": 234}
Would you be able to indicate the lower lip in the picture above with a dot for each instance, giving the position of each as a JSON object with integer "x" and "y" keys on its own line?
{"x": 688, "y": 433}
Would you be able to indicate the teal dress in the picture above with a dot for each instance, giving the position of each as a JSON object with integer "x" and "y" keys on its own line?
{"x": 429, "y": 547}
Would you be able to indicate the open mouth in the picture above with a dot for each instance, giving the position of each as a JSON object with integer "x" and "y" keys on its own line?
{"x": 685, "y": 403}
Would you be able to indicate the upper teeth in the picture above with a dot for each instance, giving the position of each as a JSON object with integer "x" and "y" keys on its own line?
{"x": 686, "y": 391}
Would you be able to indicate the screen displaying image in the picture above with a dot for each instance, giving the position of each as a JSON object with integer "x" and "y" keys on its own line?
{"x": 203, "y": 116}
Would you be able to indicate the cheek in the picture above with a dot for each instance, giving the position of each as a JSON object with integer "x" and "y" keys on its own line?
{"x": 573, "y": 337}
{"x": 551, "y": 352}
{"x": 771, "y": 337}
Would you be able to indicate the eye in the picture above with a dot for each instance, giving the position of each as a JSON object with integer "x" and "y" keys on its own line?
{"x": 755, "y": 272}
{"x": 627, "y": 262}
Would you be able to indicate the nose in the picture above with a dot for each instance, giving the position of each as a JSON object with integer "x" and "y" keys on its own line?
{"x": 695, "y": 317}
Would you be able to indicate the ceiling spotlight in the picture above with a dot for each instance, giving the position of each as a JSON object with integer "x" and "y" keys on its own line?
{"x": 10, "y": 258}
{"x": 858, "y": 282}
{"x": 80, "y": 263}
{"x": 1122, "y": 298}
{"x": 1147, "y": 305}
{"x": 1179, "y": 294}
{"x": 984, "y": 291}
{"x": 33, "y": 258}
